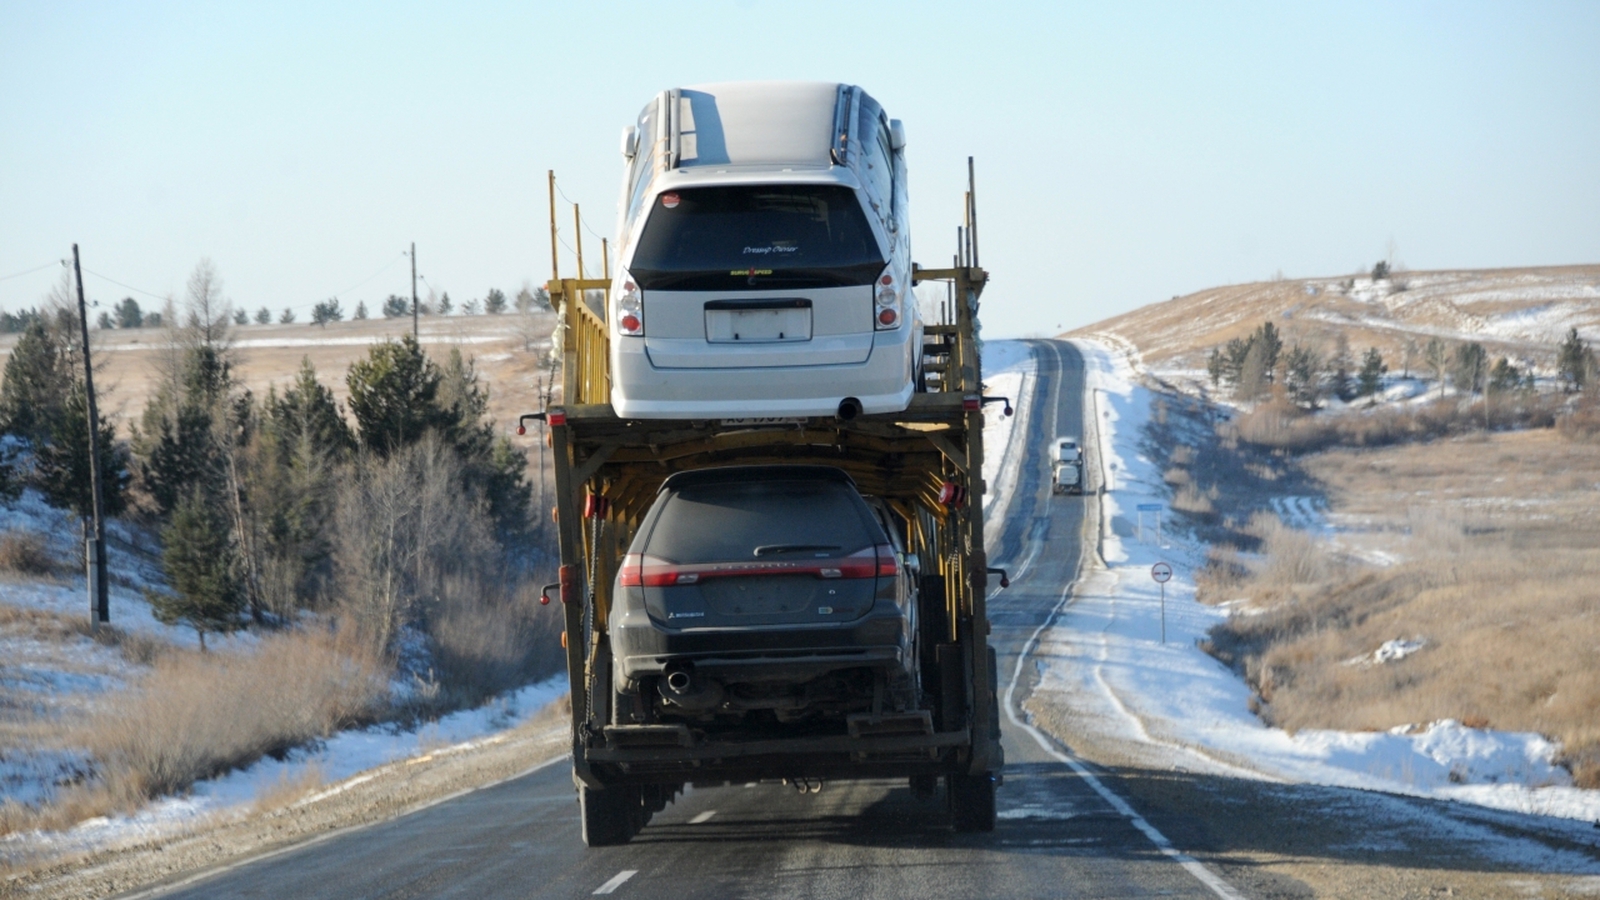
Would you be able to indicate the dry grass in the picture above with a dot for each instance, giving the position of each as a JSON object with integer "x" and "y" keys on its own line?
{"x": 1496, "y": 540}
{"x": 1281, "y": 426}
{"x": 27, "y": 553}
{"x": 196, "y": 715}
{"x": 199, "y": 714}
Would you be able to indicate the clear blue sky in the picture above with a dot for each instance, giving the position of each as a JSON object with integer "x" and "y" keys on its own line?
{"x": 1126, "y": 152}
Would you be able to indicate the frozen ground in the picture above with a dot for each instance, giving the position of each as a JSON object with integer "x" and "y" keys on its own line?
{"x": 1105, "y": 652}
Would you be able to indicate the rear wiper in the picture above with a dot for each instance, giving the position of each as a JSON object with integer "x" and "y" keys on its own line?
{"x": 767, "y": 549}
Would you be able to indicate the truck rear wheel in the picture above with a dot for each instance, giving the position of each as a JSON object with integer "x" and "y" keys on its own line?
{"x": 611, "y": 816}
{"x": 971, "y": 801}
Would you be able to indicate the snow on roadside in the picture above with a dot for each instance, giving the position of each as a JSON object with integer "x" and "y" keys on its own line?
{"x": 1105, "y": 656}
{"x": 339, "y": 763}
{"x": 1008, "y": 371}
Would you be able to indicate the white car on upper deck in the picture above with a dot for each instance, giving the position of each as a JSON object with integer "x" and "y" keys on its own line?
{"x": 764, "y": 259}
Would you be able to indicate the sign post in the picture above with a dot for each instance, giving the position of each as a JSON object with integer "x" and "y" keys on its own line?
{"x": 1149, "y": 507}
{"x": 1162, "y": 573}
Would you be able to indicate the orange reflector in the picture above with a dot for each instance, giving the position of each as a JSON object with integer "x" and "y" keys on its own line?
{"x": 563, "y": 640}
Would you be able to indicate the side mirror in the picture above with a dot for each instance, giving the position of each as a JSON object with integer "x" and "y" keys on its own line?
{"x": 897, "y": 135}
{"x": 630, "y": 142}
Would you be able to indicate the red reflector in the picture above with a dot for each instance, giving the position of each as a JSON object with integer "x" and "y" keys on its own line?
{"x": 970, "y": 403}
{"x": 887, "y": 317}
{"x": 887, "y": 278}
{"x": 557, "y": 417}
{"x": 595, "y": 506}
{"x": 522, "y": 429}
{"x": 887, "y": 564}
{"x": 630, "y": 322}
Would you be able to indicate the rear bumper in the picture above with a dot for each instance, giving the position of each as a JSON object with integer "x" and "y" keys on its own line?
{"x": 791, "y": 654}
{"x": 883, "y": 384}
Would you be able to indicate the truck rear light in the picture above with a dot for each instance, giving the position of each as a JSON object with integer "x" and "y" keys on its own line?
{"x": 643, "y": 570}
{"x": 557, "y": 417}
{"x": 971, "y": 403}
{"x": 887, "y": 317}
{"x": 627, "y": 305}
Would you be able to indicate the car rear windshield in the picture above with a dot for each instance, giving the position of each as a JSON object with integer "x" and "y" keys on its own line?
{"x": 787, "y": 520}
{"x": 737, "y": 237}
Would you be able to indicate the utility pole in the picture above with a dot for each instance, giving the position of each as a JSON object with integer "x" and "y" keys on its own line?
{"x": 414, "y": 334}
{"x": 95, "y": 545}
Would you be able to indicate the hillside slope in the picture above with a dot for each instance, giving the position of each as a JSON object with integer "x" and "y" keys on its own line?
{"x": 1519, "y": 313}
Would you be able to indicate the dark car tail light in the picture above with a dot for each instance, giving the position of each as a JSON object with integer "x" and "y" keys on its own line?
{"x": 643, "y": 570}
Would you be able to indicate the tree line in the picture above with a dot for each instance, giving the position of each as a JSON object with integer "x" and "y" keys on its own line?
{"x": 376, "y": 511}
{"x": 1258, "y": 364}
{"x": 127, "y": 313}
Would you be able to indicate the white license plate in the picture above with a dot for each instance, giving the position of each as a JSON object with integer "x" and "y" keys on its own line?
{"x": 768, "y": 422}
{"x": 764, "y": 326}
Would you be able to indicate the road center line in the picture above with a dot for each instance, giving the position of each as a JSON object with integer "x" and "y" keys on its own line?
{"x": 616, "y": 881}
{"x": 703, "y": 817}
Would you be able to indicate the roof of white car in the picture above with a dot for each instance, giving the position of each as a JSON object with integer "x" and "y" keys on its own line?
{"x": 758, "y": 123}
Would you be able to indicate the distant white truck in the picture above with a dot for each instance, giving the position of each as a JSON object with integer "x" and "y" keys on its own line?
{"x": 1066, "y": 467}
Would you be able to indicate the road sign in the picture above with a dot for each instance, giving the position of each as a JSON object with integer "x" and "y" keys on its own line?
{"x": 1162, "y": 573}
{"x": 1149, "y": 507}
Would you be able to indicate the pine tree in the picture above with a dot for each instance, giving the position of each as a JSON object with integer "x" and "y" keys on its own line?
{"x": 286, "y": 317}
{"x": 445, "y": 306}
{"x": 1302, "y": 369}
{"x": 494, "y": 303}
{"x": 1341, "y": 382}
{"x": 200, "y": 563}
{"x": 61, "y": 467}
{"x": 36, "y": 383}
{"x": 1216, "y": 366}
{"x": 392, "y": 396}
{"x": 129, "y": 315}
{"x": 396, "y": 306}
{"x": 1370, "y": 379}
{"x": 1469, "y": 367}
{"x": 307, "y": 412}
{"x": 361, "y": 310}
{"x": 1504, "y": 377}
{"x": 1574, "y": 361}
{"x": 263, "y": 316}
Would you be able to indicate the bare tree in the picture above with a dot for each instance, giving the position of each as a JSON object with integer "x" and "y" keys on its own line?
{"x": 208, "y": 315}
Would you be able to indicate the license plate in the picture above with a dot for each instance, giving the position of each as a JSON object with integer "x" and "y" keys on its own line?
{"x": 768, "y": 422}
{"x": 761, "y": 326}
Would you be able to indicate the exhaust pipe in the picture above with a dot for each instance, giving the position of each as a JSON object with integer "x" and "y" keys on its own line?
{"x": 683, "y": 689}
{"x": 849, "y": 408}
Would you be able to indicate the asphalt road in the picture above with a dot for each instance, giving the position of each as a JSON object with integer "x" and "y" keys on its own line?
{"x": 1060, "y": 832}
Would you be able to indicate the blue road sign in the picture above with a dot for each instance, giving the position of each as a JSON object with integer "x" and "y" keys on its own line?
{"x": 1149, "y": 507}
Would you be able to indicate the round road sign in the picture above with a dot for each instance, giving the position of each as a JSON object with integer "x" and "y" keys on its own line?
{"x": 1161, "y": 572}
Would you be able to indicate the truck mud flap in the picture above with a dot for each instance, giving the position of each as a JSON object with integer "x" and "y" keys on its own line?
{"x": 952, "y": 688}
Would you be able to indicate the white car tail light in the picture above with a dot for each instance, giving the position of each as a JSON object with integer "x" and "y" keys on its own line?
{"x": 627, "y": 305}
{"x": 886, "y": 310}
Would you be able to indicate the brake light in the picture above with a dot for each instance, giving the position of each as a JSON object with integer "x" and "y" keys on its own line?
{"x": 643, "y": 570}
{"x": 888, "y": 566}
{"x": 556, "y": 417}
{"x": 628, "y": 305}
{"x": 888, "y": 299}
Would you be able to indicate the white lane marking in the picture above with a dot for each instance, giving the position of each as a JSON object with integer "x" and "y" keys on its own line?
{"x": 703, "y": 817}
{"x": 616, "y": 881}
{"x": 1196, "y": 868}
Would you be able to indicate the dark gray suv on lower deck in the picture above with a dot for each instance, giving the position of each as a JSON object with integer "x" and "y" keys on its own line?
{"x": 771, "y": 593}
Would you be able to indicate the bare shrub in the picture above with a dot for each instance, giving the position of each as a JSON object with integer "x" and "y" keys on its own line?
{"x": 406, "y": 526}
{"x": 1193, "y": 501}
{"x": 1290, "y": 557}
{"x": 1182, "y": 455}
{"x": 1582, "y": 423}
{"x": 484, "y": 640}
{"x": 1177, "y": 476}
{"x": 26, "y": 553}
{"x": 197, "y": 715}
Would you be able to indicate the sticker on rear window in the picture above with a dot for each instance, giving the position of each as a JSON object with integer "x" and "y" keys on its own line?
{"x": 751, "y": 272}
{"x": 670, "y": 200}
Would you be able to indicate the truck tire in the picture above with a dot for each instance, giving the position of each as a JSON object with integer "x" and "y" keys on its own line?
{"x": 971, "y": 800}
{"x": 611, "y": 816}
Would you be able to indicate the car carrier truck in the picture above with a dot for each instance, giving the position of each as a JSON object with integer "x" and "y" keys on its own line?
{"x": 919, "y": 473}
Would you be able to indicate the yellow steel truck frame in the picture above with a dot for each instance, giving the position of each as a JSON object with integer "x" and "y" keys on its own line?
{"x": 925, "y": 462}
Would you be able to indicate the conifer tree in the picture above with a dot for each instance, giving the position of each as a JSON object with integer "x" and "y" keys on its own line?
{"x": 201, "y": 566}
{"x": 1369, "y": 381}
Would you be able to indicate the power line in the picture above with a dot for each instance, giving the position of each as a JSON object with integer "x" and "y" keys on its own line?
{"x": 580, "y": 213}
{"x": 128, "y": 286}
{"x": 373, "y": 276}
{"x": 55, "y": 262}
